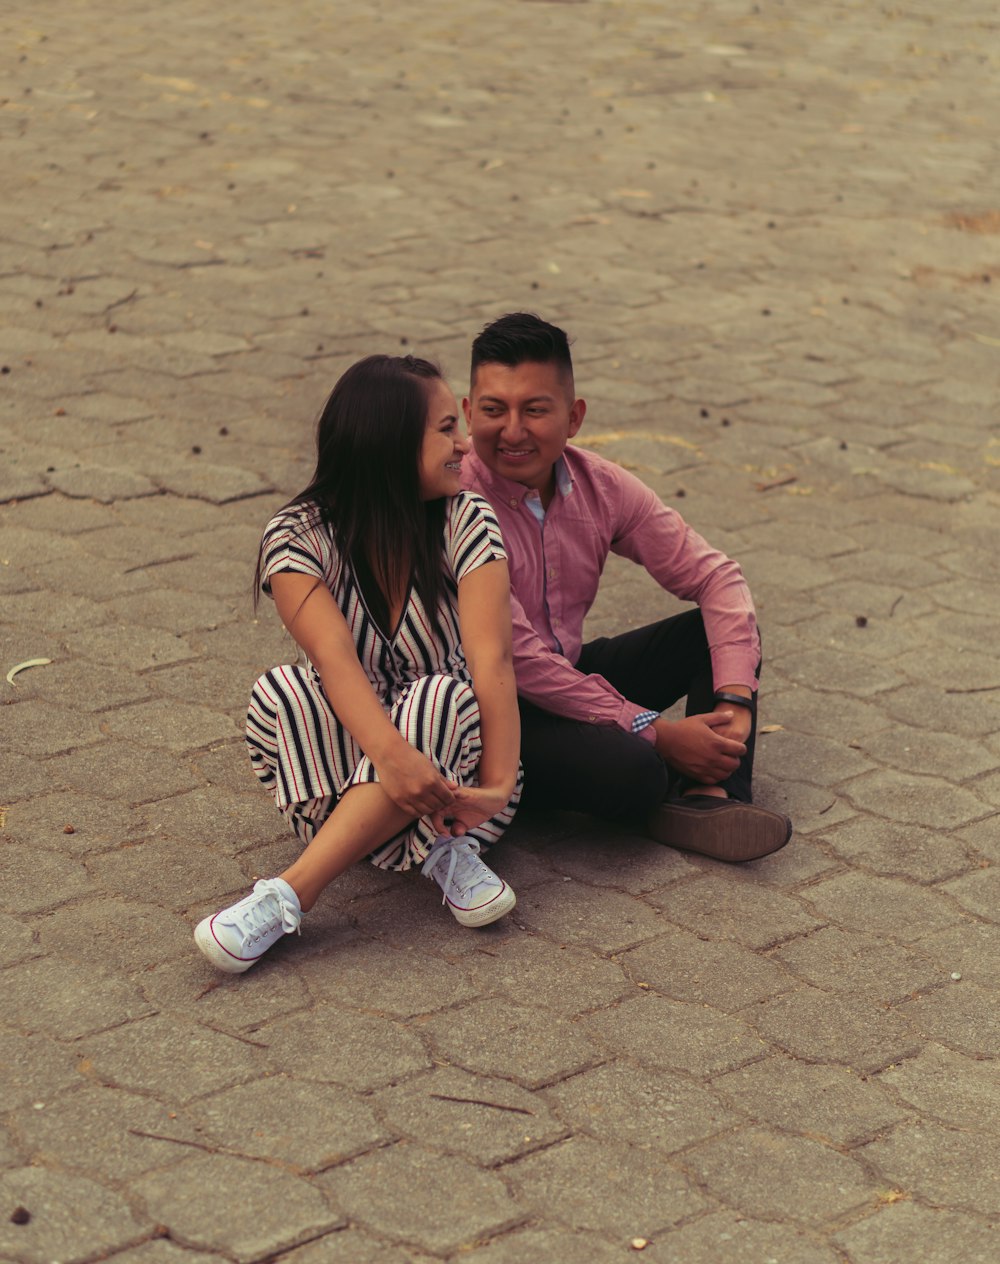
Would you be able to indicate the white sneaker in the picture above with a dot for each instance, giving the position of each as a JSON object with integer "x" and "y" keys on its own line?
{"x": 239, "y": 936}
{"x": 473, "y": 891}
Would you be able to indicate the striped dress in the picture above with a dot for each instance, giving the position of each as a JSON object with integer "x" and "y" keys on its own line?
{"x": 299, "y": 749}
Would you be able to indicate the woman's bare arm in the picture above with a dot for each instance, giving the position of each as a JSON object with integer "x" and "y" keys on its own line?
{"x": 314, "y": 619}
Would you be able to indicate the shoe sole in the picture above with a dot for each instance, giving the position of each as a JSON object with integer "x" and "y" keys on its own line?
{"x": 491, "y": 912}
{"x": 216, "y": 954}
{"x": 733, "y": 833}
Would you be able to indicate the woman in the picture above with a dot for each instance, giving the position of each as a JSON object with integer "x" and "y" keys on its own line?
{"x": 399, "y": 738}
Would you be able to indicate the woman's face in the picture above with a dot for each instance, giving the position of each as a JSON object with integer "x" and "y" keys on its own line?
{"x": 444, "y": 444}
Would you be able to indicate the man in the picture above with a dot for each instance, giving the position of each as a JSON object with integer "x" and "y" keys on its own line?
{"x": 592, "y": 736}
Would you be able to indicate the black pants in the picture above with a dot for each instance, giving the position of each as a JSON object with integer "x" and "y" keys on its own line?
{"x": 601, "y": 769}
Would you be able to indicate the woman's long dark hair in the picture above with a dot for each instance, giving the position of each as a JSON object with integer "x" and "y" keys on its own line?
{"x": 366, "y": 485}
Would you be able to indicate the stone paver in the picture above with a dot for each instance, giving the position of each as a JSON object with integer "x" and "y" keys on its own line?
{"x": 772, "y": 233}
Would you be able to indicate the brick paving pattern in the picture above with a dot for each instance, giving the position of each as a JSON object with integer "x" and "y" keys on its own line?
{"x": 774, "y": 231}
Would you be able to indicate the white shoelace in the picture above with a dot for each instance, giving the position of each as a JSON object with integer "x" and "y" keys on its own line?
{"x": 264, "y": 910}
{"x": 465, "y": 869}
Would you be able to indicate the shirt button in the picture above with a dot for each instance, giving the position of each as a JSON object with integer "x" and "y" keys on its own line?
{"x": 593, "y": 719}
{"x": 552, "y": 572}
{"x": 513, "y": 503}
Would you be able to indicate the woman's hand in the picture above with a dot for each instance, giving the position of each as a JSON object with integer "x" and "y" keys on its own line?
{"x": 413, "y": 783}
{"x": 471, "y": 806}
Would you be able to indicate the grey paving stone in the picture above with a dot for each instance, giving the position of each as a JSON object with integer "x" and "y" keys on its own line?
{"x": 948, "y": 1088}
{"x": 725, "y": 1237}
{"x": 409, "y": 912}
{"x": 214, "y": 816}
{"x": 35, "y": 1068}
{"x": 226, "y": 684}
{"x": 511, "y": 1041}
{"x": 410, "y": 1217}
{"x": 977, "y": 892}
{"x": 204, "y": 1201}
{"x": 17, "y": 941}
{"x": 969, "y": 949}
{"x": 97, "y": 824}
{"x": 883, "y": 906}
{"x": 826, "y": 1103}
{"x": 724, "y": 975}
{"x": 945, "y": 1167}
{"x": 260, "y": 644}
{"x": 227, "y": 765}
{"x": 533, "y": 971}
{"x": 173, "y": 725}
{"x": 734, "y": 905}
{"x": 823, "y": 1027}
{"x": 102, "y": 483}
{"x": 176, "y": 1059}
{"x": 233, "y": 1005}
{"x": 857, "y": 964}
{"x": 665, "y": 1034}
{"x": 571, "y": 913}
{"x": 139, "y": 646}
{"x": 959, "y": 1014}
{"x": 32, "y": 611}
{"x": 349, "y": 1246}
{"x": 172, "y": 874}
{"x": 88, "y": 686}
{"x": 379, "y": 978}
{"x": 163, "y": 608}
{"x": 895, "y": 639}
{"x": 801, "y": 708}
{"x": 68, "y": 999}
{"x": 104, "y": 1133}
{"x": 818, "y": 759}
{"x": 760, "y": 1173}
{"x": 370, "y": 1051}
{"x": 305, "y": 1125}
{"x": 486, "y": 1120}
{"x": 36, "y": 880}
{"x": 987, "y": 788}
{"x": 597, "y": 1187}
{"x": 151, "y": 775}
{"x": 527, "y": 1246}
{"x": 162, "y": 1251}
{"x": 822, "y": 669}
{"x": 38, "y": 729}
{"x": 644, "y": 1108}
{"x": 72, "y": 1218}
{"x": 928, "y": 706}
{"x": 899, "y": 851}
{"x": 922, "y": 1235}
{"x": 624, "y": 862}
{"x": 114, "y": 934}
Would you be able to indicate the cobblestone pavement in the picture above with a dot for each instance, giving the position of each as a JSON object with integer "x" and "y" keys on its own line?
{"x": 774, "y": 230}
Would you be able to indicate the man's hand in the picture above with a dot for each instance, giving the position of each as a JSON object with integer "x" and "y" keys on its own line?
{"x": 412, "y": 782}
{"x": 698, "y": 746}
{"x": 737, "y": 727}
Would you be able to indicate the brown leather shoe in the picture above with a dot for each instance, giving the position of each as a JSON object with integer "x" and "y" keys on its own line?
{"x": 724, "y": 829}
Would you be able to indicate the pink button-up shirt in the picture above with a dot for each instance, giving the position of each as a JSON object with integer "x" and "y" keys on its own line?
{"x": 555, "y": 569}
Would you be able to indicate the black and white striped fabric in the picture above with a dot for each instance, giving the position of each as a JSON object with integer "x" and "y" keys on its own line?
{"x": 298, "y": 748}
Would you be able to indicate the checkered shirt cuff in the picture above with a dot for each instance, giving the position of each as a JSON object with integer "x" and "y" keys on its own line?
{"x": 643, "y": 720}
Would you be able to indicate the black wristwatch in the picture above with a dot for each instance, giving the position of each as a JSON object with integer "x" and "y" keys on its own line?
{"x": 736, "y": 699}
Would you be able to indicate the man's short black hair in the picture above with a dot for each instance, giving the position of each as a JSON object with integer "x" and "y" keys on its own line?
{"x": 522, "y": 338}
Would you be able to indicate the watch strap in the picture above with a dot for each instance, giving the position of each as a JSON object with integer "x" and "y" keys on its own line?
{"x": 736, "y": 699}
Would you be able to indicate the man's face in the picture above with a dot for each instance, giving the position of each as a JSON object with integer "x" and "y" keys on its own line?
{"x": 520, "y": 420}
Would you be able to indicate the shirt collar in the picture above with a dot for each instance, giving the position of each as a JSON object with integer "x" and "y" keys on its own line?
{"x": 513, "y": 492}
